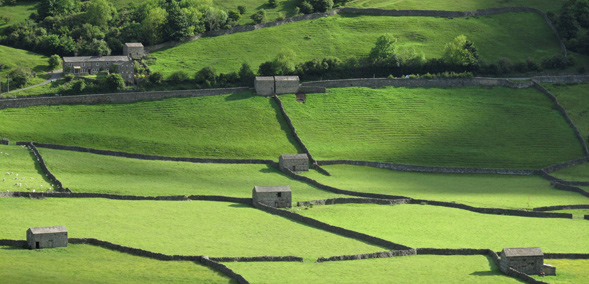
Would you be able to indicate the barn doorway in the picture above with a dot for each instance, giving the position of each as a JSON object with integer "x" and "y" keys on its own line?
{"x": 36, "y": 245}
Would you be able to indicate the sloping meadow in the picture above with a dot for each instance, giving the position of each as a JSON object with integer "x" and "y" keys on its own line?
{"x": 491, "y": 127}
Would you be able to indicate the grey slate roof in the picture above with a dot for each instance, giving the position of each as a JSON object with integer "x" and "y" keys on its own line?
{"x": 48, "y": 230}
{"x": 294, "y": 156}
{"x": 515, "y": 252}
{"x": 286, "y": 78}
{"x": 134, "y": 44}
{"x": 264, "y": 78}
{"x": 282, "y": 188}
{"x": 117, "y": 58}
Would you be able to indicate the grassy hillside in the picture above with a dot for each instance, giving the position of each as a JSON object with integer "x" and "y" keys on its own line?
{"x": 499, "y": 191}
{"x": 516, "y": 36}
{"x": 19, "y": 172}
{"x": 454, "y": 5}
{"x": 411, "y": 269}
{"x": 473, "y": 126}
{"x": 441, "y": 227}
{"x": 576, "y": 173}
{"x": 575, "y": 99}
{"x": 229, "y": 126}
{"x": 17, "y": 13}
{"x": 175, "y": 227}
{"x": 87, "y": 264}
{"x": 84, "y": 172}
{"x": 13, "y": 57}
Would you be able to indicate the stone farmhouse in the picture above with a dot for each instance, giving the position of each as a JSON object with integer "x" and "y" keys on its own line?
{"x": 526, "y": 260}
{"x": 88, "y": 65}
{"x": 275, "y": 196}
{"x": 134, "y": 50}
{"x": 295, "y": 163}
{"x": 276, "y": 85}
{"x": 47, "y": 237}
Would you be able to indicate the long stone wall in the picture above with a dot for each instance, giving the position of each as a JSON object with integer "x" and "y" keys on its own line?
{"x": 565, "y": 165}
{"x": 46, "y": 171}
{"x": 382, "y": 254}
{"x": 562, "y": 207}
{"x": 402, "y": 82}
{"x": 258, "y": 259}
{"x": 4, "y": 141}
{"x": 14, "y": 243}
{"x": 334, "y": 201}
{"x": 127, "y": 97}
{"x": 565, "y": 187}
{"x": 566, "y": 255}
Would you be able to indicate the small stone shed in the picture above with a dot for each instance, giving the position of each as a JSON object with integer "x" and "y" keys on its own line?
{"x": 134, "y": 49}
{"x": 276, "y": 85}
{"x": 275, "y": 196}
{"x": 526, "y": 260}
{"x": 47, "y": 237}
{"x": 295, "y": 163}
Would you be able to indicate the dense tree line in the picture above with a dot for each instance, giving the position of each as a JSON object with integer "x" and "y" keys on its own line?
{"x": 96, "y": 27}
{"x": 573, "y": 25}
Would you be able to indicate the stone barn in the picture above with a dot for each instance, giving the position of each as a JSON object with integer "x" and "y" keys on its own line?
{"x": 275, "y": 196}
{"x": 47, "y": 237}
{"x": 286, "y": 84}
{"x": 526, "y": 260}
{"x": 295, "y": 163}
{"x": 134, "y": 50}
{"x": 264, "y": 86}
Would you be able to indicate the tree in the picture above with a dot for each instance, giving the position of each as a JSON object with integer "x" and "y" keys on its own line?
{"x": 259, "y": 16}
{"x": 272, "y": 3}
{"x": 234, "y": 16}
{"x": 54, "y": 61}
{"x": 178, "y": 77}
{"x": 461, "y": 52}
{"x": 100, "y": 13}
{"x": 178, "y": 26}
{"x": 55, "y": 7}
{"x": 246, "y": 75}
{"x": 78, "y": 86}
{"x": 153, "y": 25}
{"x": 19, "y": 76}
{"x": 214, "y": 18}
{"x": 114, "y": 82}
{"x": 241, "y": 9}
{"x": 284, "y": 62}
{"x": 384, "y": 49}
{"x": 156, "y": 77}
{"x": 206, "y": 76}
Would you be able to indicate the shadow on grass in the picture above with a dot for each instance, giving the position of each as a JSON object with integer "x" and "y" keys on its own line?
{"x": 13, "y": 248}
{"x": 284, "y": 126}
{"x": 484, "y": 273}
{"x": 38, "y": 167}
{"x": 239, "y": 96}
{"x": 240, "y": 205}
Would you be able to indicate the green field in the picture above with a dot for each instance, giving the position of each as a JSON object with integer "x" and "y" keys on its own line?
{"x": 469, "y": 127}
{"x": 516, "y": 36}
{"x": 409, "y": 269}
{"x": 90, "y": 264}
{"x": 454, "y": 5}
{"x": 19, "y": 172}
{"x": 13, "y": 57}
{"x": 479, "y": 190}
{"x": 229, "y": 126}
{"x": 17, "y": 13}
{"x": 441, "y": 227}
{"x": 576, "y": 173}
{"x": 575, "y": 99}
{"x": 209, "y": 228}
{"x": 81, "y": 171}
{"x": 568, "y": 271}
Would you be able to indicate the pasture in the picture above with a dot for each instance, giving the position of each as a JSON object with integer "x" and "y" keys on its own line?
{"x": 13, "y": 57}
{"x": 409, "y": 269}
{"x": 454, "y": 5}
{"x": 83, "y": 172}
{"x": 215, "y": 229}
{"x": 576, "y": 173}
{"x": 568, "y": 271}
{"x": 19, "y": 170}
{"x": 442, "y": 227}
{"x": 91, "y": 264}
{"x": 230, "y": 126}
{"x": 516, "y": 36}
{"x": 494, "y": 127}
{"x": 479, "y": 190}
{"x": 575, "y": 99}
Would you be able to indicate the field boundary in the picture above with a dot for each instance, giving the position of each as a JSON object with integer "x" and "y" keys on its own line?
{"x": 334, "y": 201}
{"x": 4, "y": 141}
{"x": 382, "y": 254}
{"x": 562, "y": 207}
{"x": 46, "y": 171}
{"x": 127, "y": 97}
{"x": 566, "y": 187}
{"x": 373, "y": 12}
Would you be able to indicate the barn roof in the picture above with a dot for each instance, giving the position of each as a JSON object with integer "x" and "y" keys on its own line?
{"x": 134, "y": 44}
{"x": 282, "y": 188}
{"x": 117, "y": 58}
{"x": 48, "y": 230}
{"x": 515, "y": 252}
{"x": 264, "y": 78}
{"x": 286, "y": 78}
{"x": 294, "y": 156}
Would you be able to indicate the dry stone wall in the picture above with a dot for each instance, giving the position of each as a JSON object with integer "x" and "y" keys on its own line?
{"x": 382, "y": 254}
{"x": 402, "y": 82}
{"x": 127, "y": 97}
{"x": 58, "y": 185}
{"x": 258, "y": 259}
{"x": 334, "y": 201}
{"x": 4, "y": 141}
{"x": 566, "y": 255}
{"x": 565, "y": 165}
{"x": 562, "y": 207}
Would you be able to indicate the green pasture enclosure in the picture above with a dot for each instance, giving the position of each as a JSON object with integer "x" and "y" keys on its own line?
{"x": 226, "y": 126}
{"x": 91, "y": 264}
{"x": 19, "y": 170}
{"x": 568, "y": 271}
{"x": 455, "y": 5}
{"x": 516, "y": 36}
{"x": 408, "y": 269}
{"x": 575, "y": 99}
{"x": 83, "y": 172}
{"x": 443, "y": 227}
{"x": 17, "y": 13}
{"x": 479, "y": 190}
{"x": 490, "y": 127}
{"x": 215, "y": 229}
{"x": 575, "y": 173}
{"x": 13, "y": 57}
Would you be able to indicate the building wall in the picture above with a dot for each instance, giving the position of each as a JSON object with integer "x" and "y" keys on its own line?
{"x": 295, "y": 165}
{"x": 52, "y": 240}
{"x": 264, "y": 87}
{"x": 272, "y": 199}
{"x": 126, "y": 69}
{"x": 528, "y": 265}
{"x": 133, "y": 51}
{"x": 286, "y": 86}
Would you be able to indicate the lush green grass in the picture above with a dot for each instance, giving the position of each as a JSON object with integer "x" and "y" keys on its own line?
{"x": 470, "y": 126}
{"x": 576, "y": 173}
{"x": 410, "y": 269}
{"x": 47, "y": 89}
{"x": 500, "y": 191}
{"x": 17, "y": 13}
{"x": 514, "y": 35}
{"x": 568, "y": 271}
{"x": 90, "y": 264}
{"x": 23, "y": 169}
{"x": 84, "y": 172}
{"x": 12, "y": 57}
{"x": 177, "y": 227}
{"x": 442, "y": 227}
{"x": 229, "y": 126}
{"x": 455, "y": 5}
{"x": 575, "y": 99}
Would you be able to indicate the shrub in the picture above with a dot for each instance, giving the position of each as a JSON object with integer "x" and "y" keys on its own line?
{"x": 156, "y": 77}
{"x": 241, "y": 9}
{"x": 78, "y": 86}
{"x": 114, "y": 82}
{"x": 206, "y": 74}
{"x": 178, "y": 77}
{"x": 19, "y": 76}
{"x": 272, "y": 3}
{"x": 259, "y": 16}
{"x": 69, "y": 77}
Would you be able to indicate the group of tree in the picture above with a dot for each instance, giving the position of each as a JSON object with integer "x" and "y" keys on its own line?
{"x": 96, "y": 27}
{"x": 317, "y": 6}
{"x": 205, "y": 78}
{"x": 573, "y": 25}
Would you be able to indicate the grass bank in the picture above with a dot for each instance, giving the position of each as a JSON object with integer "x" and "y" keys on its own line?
{"x": 576, "y": 173}
{"x": 575, "y": 99}
{"x": 499, "y": 191}
{"x": 19, "y": 172}
{"x": 516, "y": 36}
{"x": 487, "y": 127}
{"x": 441, "y": 227}
{"x": 228, "y": 126}
{"x": 89, "y": 264}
